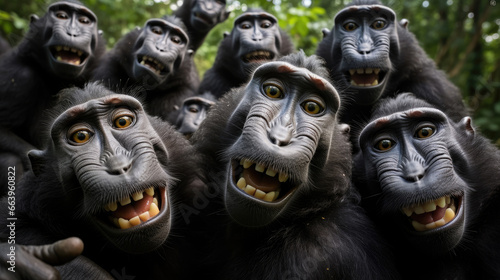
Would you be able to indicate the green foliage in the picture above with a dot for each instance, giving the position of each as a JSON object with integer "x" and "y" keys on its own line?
{"x": 447, "y": 30}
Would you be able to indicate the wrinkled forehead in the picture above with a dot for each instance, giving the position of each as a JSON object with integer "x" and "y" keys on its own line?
{"x": 199, "y": 100}
{"x": 95, "y": 107}
{"x": 72, "y": 7}
{"x": 365, "y": 11}
{"x": 396, "y": 119}
{"x": 294, "y": 73}
{"x": 255, "y": 15}
{"x": 166, "y": 26}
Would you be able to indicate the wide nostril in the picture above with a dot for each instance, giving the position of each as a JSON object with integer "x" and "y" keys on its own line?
{"x": 414, "y": 172}
{"x": 280, "y": 135}
{"x": 117, "y": 165}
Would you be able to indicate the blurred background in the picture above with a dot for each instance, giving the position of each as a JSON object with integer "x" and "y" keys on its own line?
{"x": 461, "y": 36}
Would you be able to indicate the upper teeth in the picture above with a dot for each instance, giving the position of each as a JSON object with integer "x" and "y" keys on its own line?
{"x": 430, "y": 206}
{"x": 158, "y": 65}
{"x": 124, "y": 223}
{"x": 364, "y": 71}
{"x": 73, "y": 50}
{"x": 263, "y": 54}
{"x": 253, "y": 191}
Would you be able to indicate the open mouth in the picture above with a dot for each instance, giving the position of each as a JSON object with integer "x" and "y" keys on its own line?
{"x": 153, "y": 64}
{"x": 433, "y": 214}
{"x": 366, "y": 77}
{"x": 257, "y": 56}
{"x": 68, "y": 55}
{"x": 134, "y": 209}
{"x": 259, "y": 181}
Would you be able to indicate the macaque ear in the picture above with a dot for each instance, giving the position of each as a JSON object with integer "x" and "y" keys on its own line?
{"x": 404, "y": 23}
{"x": 466, "y": 125}
{"x": 325, "y": 32}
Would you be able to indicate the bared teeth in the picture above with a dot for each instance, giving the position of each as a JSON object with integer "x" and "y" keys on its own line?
{"x": 242, "y": 183}
{"x": 283, "y": 177}
{"x": 250, "y": 190}
{"x": 247, "y": 163}
{"x": 271, "y": 172}
{"x": 137, "y": 196}
{"x": 153, "y": 210}
{"x": 150, "y": 191}
{"x": 124, "y": 224}
{"x": 137, "y": 220}
{"x": 259, "y": 194}
{"x": 112, "y": 206}
{"x": 253, "y": 191}
{"x": 58, "y": 48}
{"x": 431, "y": 206}
{"x": 144, "y": 216}
{"x": 270, "y": 196}
{"x": 125, "y": 201}
{"x": 260, "y": 168}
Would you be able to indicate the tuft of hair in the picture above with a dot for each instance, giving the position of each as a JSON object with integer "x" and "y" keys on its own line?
{"x": 364, "y": 2}
{"x": 402, "y": 102}
{"x": 177, "y": 21}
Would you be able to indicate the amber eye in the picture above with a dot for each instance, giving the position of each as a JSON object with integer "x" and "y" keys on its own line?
{"x": 193, "y": 109}
{"x": 81, "y": 136}
{"x": 156, "y": 30}
{"x": 123, "y": 121}
{"x": 425, "y": 132}
{"x": 84, "y": 20}
{"x": 61, "y": 15}
{"x": 266, "y": 24}
{"x": 384, "y": 145}
{"x": 312, "y": 107}
{"x": 350, "y": 26}
{"x": 245, "y": 26}
{"x": 273, "y": 91}
{"x": 378, "y": 24}
{"x": 176, "y": 39}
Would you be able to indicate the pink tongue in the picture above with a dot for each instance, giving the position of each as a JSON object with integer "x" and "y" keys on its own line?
{"x": 135, "y": 208}
{"x": 429, "y": 217}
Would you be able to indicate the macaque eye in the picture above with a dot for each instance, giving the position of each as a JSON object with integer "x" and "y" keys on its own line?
{"x": 193, "y": 109}
{"x": 245, "y": 25}
{"x": 312, "y": 107}
{"x": 123, "y": 121}
{"x": 81, "y": 136}
{"x": 350, "y": 26}
{"x": 273, "y": 91}
{"x": 378, "y": 24}
{"x": 266, "y": 24}
{"x": 61, "y": 15}
{"x": 84, "y": 20}
{"x": 384, "y": 145}
{"x": 425, "y": 132}
{"x": 156, "y": 30}
{"x": 176, "y": 39}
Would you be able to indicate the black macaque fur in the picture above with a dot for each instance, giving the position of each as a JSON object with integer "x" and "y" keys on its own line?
{"x": 467, "y": 247}
{"x": 28, "y": 86}
{"x": 212, "y": 13}
{"x": 47, "y": 211}
{"x": 322, "y": 234}
{"x": 411, "y": 70}
{"x": 162, "y": 100}
{"x": 228, "y": 70}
